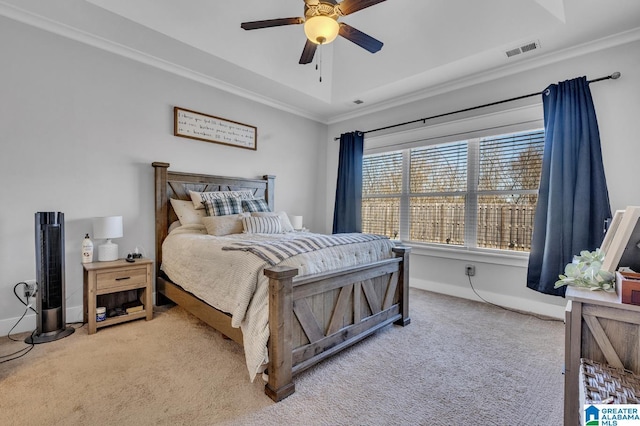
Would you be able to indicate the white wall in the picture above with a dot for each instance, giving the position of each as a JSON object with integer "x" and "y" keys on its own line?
{"x": 501, "y": 280}
{"x": 79, "y": 130}
{"x": 80, "y": 127}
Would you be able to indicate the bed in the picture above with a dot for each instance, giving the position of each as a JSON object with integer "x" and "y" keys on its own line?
{"x": 310, "y": 317}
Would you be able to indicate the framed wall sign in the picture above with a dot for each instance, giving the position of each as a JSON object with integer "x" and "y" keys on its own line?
{"x": 208, "y": 128}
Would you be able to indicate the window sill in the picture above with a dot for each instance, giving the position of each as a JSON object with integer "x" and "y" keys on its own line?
{"x": 467, "y": 254}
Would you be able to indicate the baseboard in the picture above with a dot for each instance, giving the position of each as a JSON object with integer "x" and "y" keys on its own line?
{"x": 510, "y": 302}
{"x": 74, "y": 313}
{"x": 28, "y": 323}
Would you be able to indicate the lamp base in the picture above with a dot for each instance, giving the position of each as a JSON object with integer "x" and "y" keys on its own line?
{"x": 107, "y": 252}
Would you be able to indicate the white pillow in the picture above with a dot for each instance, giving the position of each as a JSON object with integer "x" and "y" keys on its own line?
{"x": 224, "y": 225}
{"x": 192, "y": 228}
{"x": 186, "y": 213}
{"x": 174, "y": 225}
{"x": 198, "y": 198}
{"x": 284, "y": 219}
{"x": 262, "y": 225}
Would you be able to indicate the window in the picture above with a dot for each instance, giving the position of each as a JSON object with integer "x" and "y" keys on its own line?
{"x": 382, "y": 184}
{"x": 475, "y": 193}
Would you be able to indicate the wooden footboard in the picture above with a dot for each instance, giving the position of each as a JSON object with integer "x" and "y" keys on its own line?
{"x": 314, "y": 317}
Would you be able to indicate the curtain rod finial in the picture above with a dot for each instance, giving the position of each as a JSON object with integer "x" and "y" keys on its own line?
{"x": 616, "y": 75}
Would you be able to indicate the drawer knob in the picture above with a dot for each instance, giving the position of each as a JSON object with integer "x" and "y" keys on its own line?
{"x": 122, "y": 278}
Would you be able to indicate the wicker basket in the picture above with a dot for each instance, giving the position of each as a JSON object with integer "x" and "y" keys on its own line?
{"x": 603, "y": 384}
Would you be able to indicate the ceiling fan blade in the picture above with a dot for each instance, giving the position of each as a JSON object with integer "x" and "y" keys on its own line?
{"x": 361, "y": 39}
{"x": 349, "y": 6}
{"x": 256, "y": 25}
{"x": 308, "y": 52}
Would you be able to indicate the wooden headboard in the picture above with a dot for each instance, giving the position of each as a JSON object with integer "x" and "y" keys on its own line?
{"x": 169, "y": 184}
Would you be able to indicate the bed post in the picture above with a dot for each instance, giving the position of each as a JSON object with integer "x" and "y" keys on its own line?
{"x": 269, "y": 193}
{"x": 161, "y": 219}
{"x": 280, "y": 383}
{"x": 403, "y": 252}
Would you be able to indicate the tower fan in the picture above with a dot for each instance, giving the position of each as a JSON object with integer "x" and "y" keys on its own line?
{"x": 50, "y": 315}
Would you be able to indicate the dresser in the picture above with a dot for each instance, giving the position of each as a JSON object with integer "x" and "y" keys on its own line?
{"x": 598, "y": 326}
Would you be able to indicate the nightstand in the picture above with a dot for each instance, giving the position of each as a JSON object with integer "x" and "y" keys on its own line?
{"x": 110, "y": 284}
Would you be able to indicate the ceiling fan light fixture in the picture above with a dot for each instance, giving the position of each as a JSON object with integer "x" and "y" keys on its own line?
{"x": 321, "y": 29}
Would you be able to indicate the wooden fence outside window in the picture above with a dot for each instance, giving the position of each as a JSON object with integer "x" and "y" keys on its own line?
{"x": 499, "y": 226}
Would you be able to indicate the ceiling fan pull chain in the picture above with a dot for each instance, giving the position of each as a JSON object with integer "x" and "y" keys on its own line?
{"x": 320, "y": 60}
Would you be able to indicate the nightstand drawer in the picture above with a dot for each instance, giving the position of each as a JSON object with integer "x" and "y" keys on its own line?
{"x": 122, "y": 278}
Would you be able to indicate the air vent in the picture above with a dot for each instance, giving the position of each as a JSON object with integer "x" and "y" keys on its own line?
{"x": 534, "y": 45}
{"x": 513, "y": 52}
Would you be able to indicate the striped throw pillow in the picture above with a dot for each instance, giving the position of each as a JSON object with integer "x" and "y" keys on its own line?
{"x": 222, "y": 206}
{"x": 284, "y": 219}
{"x": 262, "y": 225}
{"x": 255, "y": 205}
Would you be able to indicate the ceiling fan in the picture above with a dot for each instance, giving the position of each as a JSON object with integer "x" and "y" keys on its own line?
{"x": 321, "y": 25}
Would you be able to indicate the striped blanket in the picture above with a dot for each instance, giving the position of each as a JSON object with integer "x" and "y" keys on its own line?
{"x": 275, "y": 252}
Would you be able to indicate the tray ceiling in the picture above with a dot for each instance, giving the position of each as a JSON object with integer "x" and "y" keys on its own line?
{"x": 427, "y": 44}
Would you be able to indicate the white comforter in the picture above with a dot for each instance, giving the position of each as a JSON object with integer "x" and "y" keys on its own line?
{"x": 233, "y": 281}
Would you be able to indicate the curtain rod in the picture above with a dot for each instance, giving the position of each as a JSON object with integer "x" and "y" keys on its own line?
{"x": 613, "y": 76}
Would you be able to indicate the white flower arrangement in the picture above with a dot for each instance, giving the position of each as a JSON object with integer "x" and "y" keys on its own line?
{"x": 586, "y": 271}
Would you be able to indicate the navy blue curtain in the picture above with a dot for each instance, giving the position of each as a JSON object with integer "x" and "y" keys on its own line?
{"x": 573, "y": 200}
{"x": 348, "y": 206}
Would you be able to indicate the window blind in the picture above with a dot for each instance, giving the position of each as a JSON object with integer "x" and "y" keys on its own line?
{"x": 511, "y": 162}
{"x": 480, "y": 192}
{"x": 382, "y": 173}
{"x": 439, "y": 168}
{"x": 381, "y": 191}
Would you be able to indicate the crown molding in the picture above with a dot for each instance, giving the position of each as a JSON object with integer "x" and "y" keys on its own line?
{"x": 496, "y": 73}
{"x": 63, "y": 30}
{"x": 29, "y": 18}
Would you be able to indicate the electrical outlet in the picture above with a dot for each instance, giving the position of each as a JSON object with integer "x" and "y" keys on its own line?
{"x": 470, "y": 270}
{"x": 31, "y": 288}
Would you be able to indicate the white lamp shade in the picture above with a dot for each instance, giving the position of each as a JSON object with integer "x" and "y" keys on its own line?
{"x": 107, "y": 228}
{"x": 296, "y": 222}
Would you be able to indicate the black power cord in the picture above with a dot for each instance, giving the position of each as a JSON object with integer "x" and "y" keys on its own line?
{"x": 21, "y": 352}
{"x": 509, "y": 309}
{"x": 26, "y": 302}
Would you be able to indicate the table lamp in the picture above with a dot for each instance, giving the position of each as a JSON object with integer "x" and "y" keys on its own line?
{"x": 296, "y": 222}
{"x": 106, "y": 228}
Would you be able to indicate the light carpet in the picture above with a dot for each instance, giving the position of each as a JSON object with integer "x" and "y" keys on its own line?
{"x": 459, "y": 362}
